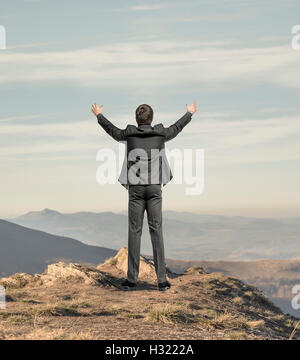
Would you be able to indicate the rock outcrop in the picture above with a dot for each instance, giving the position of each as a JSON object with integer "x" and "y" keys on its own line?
{"x": 60, "y": 272}
{"x": 120, "y": 261}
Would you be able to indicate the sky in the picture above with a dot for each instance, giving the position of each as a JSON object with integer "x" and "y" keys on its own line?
{"x": 233, "y": 58}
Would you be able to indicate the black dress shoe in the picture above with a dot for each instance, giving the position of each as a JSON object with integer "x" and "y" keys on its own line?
{"x": 164, "y": 286}
{"x": 128, "y": 285}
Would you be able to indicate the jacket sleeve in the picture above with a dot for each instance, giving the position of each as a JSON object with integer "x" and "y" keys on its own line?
{"x": 172, "y": 131}
{"x": 112, "y": 130}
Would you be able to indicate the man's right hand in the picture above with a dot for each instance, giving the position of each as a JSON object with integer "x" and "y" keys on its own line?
{"x": 96, "y": 110}
{"x": 192, "y": 108}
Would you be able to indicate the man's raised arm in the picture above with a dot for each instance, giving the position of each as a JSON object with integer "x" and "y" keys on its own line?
{"x": 112, "y": 130}
{"x": 173, "y": 130}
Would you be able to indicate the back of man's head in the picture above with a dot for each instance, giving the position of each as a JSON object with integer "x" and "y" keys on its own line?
{"x": 144, "y": 114}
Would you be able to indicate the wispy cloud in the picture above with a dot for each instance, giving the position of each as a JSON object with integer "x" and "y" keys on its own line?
{"x": 164, "y": 63}
{"x": 32, "y": 45}
{"x": 225, "y": 142}
{"x": 146, "y": 7}
{"x": 27, "y": 117}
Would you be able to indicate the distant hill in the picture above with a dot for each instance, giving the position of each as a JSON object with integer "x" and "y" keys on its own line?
{"x": 30, "y": 251}
{"x": 102, "y": 229}
{"x": 187, "y": 236}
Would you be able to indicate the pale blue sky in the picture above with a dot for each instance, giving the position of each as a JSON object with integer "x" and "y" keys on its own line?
{"x": 234, "y": 58}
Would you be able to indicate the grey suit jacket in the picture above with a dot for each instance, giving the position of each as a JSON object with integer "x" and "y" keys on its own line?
{"x": 145, "y": 159}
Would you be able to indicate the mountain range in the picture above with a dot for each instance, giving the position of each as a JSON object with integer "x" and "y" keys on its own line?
{"x": 27, "y": 250}
{"x": 187, "y": 236}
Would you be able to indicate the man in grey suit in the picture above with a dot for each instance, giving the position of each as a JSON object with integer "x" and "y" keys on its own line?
{"x": 145, "y": 170}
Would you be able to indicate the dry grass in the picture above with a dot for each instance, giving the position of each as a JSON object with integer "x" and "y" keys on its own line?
{"x": 113, "y": 261}
{"x": 238, "y": 335}
{"x": 226, "y": 321}
{"x": 258, "y": 324}
{"x": 198, "y": 306}
{"x": 238, "y": 300}
{"x": 294, "y": 331}
{"x": 168, "y": 314}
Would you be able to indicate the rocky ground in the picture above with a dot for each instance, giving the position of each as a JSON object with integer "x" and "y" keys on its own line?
{"x": 73, "y": 301}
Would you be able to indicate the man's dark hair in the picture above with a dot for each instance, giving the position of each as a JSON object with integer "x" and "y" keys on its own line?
{"x": 144, "y": 114}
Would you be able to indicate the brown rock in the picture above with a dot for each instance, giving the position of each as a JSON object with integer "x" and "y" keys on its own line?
{"x": 120, "y": 261}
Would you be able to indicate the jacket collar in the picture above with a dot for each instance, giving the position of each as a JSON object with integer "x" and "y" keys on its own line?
{"x": 145, "y": 128}
{"x": 142, "y": 126}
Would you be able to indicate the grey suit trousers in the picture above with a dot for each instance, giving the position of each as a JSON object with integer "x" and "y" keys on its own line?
{"x": 141, "y": 198}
